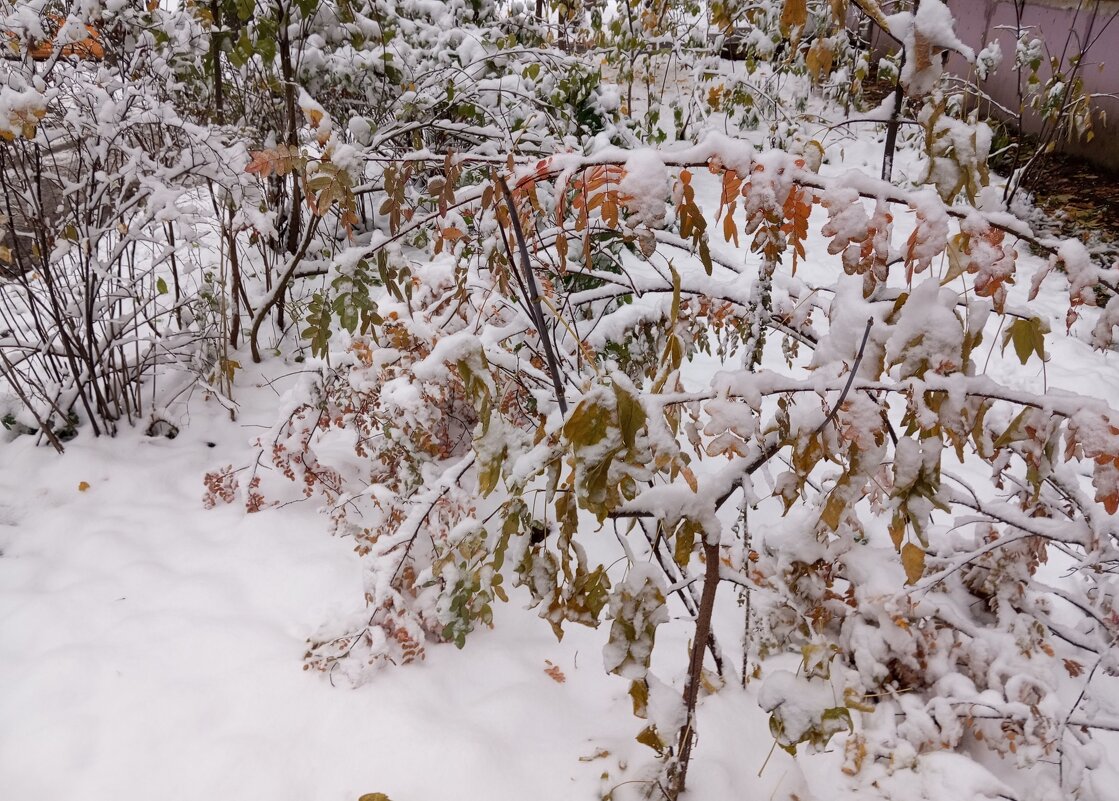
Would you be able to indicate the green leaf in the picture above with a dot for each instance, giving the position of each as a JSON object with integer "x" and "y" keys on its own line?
{"x": 266, "y": 47}
{"x": 631, "y": 415}
{"x": 705, "y": 255}
{"x": 1028, "y": 337}
{"x": 318, "y": 325}
{"x": 161, "y": 286}
{"x": 243, "y": 51}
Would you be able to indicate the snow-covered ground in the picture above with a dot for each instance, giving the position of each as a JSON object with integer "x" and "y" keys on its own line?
{"x": 152, "y": 649}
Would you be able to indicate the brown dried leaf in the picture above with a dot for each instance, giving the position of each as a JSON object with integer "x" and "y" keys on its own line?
{"x": 554, "y": 673}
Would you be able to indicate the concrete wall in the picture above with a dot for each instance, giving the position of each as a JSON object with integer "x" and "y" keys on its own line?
{"x": 979, "y": 21}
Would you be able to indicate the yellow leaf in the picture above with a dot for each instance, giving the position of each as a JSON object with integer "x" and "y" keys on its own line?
{"x": 813, "y": 155}
{"x": 897, "y": 530}
{"x": 689, "y": 476}
{"x": 374, "y": 797}
{"x": 819, "y": 60}
{"x": 229, "y": 367}
{"x": 599, "y": 753}
{"x": 1028, "y": 337}
{"x": 957, "y": 261}
{"x": 794, "y": 15}
{"x": 685, "y": 543}
{"x": 639, "y": 692}
{"x": 711, "y": 682}
{"x": 922, "y": 49}
{"x": 833, "y": 511}
{"x": 83, "y": 486}
{"x": 650, "y": 737}
{"x": 913, "y": 560}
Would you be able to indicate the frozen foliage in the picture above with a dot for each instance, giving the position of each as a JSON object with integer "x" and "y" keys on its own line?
{"x": 925, "y": 35}
{"x": 988, "y": 59}
{"x": 99, "y": 171}
{"x": 915, "y": 594}
{"x": 646, "y": 183}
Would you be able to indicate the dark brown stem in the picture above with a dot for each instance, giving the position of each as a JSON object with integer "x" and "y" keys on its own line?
{"x": 534, "y": 297}
{"x": 238, "y": 294}
{"x": 175, "y": 274}
{"x": 287, "y": 68}
{"x": 688, "y": 594}
{"x": 695, "y": 667}
{"x": 850, "y": 380}
{"x": 895, "y": 117}
{"x": 277, "y": 292}
{"x": 216, "y": 35}
{"x": 892, "y": 132}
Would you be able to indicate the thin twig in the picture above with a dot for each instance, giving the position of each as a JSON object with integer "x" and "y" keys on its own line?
{"x": 534, "y": 296}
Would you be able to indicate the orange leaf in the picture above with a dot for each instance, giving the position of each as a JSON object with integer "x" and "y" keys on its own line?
{"x": 554, "y": 673}
{"x": 260, "y": 165}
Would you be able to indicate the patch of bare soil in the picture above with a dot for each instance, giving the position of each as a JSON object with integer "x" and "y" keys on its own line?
{"x": 1078, "y": 199}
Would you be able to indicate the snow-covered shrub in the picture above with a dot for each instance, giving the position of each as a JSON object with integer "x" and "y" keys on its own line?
{"x": 98, "y": 173}
{"x": 326, "y": 95}
{"x": 493, "y": 424}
